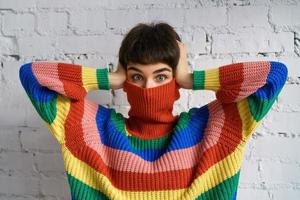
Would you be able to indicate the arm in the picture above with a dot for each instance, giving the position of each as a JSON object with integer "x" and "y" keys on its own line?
{"x": 51, "y": 86}
{"x": 234, "y": 82}
{"x": 253, "y": 86}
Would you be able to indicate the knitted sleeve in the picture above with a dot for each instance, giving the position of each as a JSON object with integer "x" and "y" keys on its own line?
{"x": 252, "y": 85}
{"x": 51, "y": 86}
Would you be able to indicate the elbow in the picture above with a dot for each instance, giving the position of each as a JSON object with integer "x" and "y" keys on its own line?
{"x": 24, "y": 69}
{"x": 278, "y": 73}
{"x": 26, "y": 76}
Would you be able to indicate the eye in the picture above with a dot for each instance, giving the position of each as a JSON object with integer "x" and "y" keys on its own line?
{"x": 136, "y": 79}
{"x": 162, "y": 77}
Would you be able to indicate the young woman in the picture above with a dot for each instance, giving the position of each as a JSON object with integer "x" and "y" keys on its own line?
{"x": 153, "y": 154}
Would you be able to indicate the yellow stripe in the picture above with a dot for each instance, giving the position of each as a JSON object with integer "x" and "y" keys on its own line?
{"x": 249, "y": 123}
{"x": 224, "y": 169}
{"x": 212, "y": 81}
{"x": 57, "y": 126}
{"x": 89, "y": 78}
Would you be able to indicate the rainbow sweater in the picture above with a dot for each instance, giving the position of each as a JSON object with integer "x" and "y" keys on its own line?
{"x": 200, "y": 159}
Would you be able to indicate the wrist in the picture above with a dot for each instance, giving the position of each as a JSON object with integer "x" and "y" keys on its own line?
{"x": 185, "y": 80}
{"x": 116, "y": 80}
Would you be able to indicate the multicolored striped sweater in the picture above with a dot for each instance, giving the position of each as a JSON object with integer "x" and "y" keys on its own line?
{"x": 200, "y": 159}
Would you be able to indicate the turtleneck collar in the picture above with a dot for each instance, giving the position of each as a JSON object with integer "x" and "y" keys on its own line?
{"x": 150, "y": 114}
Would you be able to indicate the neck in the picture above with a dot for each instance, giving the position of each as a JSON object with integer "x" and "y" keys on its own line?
{"x": 150, "y": 129}
{"x": 150, "y": 115}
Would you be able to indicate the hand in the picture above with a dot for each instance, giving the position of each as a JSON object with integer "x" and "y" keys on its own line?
{"x": 118, "y": 77}
{"x": 182, "y": 75}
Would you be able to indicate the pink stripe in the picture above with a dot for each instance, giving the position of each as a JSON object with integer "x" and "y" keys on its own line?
{"x": 128, "y": 161}
{"x": 253, "y": 79}
{"x": 89, "y": 124}
{"x": 214, "y": 127}
{"x": 47, "y": 75}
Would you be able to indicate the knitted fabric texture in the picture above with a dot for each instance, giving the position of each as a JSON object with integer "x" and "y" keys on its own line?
{"x": 150, "y": 114}
{"x": 200, "y": 158}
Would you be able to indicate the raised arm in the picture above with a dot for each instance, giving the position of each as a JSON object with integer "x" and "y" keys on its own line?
{"x": 234, "y": 82}
{"x": 252, "y": 86}
{"x": 52, "y": 85}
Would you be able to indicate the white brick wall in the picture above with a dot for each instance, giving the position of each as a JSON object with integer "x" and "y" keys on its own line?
{"x": 90, "y": 32}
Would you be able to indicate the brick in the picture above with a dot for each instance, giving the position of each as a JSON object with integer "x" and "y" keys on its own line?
{"x": 276, "y": 172}
{"x": 198, "y": 43}
{"x": 289, "y": 102}
{"x": 38, "y": 139}
{"x": 284, "y": 15}
{"x": 124, "y": 19}
{"x": 251, "y": 193}
{"x": 36, "y": 46}
{"x": 253, "y": 40}
{"x": 283, "y": 193}
{"x": 248, "y": 16}
{"x": 52, "y": 23}
{"x": 105, "y": 45}
{"x": 49, "y": 162}
{"x": 12, "y": 197}
{"x": 71, "y": 4}
{"x": 174, "y": 17}
{"x": 8, "y": 46}
{"x": 17, "y": 5}
{"x": 267, "y": 147}
{"x": 208, "y": 16}
{"x": 282, "y": 122}
{"x": 19, "y": 185}
{"x": 16, "y": 24}
{"x": 13, "y": 95}
{"x": 249, "y": 172}
{"x": 248, "y": 2}
{"x": 9, "y": 139}
{"x": 55, "y": 186}
{"x": 17, "y": 161}
{"x": 200, "y": 98}
{"x": 182, "y": 103}
{"x": 86, "y": 21}
{"x": 292, "y": 64}
{"x": 206, "y": 62}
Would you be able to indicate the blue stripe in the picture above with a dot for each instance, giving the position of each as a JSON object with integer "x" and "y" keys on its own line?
{"x": 275, "y": 81}
{"x": 32, "y": 87}
{"x": 182, "y": 137}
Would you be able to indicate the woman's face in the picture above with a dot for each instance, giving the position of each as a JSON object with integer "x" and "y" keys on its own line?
{"x": 148, "y": 76}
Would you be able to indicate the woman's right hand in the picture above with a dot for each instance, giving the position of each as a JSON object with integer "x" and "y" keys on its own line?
{"x": 117, "y": 78}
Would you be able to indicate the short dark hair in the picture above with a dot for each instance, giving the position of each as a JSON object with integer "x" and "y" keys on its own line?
{"x": 150, "y": 44}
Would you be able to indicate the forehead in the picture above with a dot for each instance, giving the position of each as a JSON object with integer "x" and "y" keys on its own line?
{"x": 150, "y": 68}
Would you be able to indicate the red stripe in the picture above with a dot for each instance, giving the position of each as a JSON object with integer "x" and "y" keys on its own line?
{"x": 229, "y": 91}
{"x": 176, "y": 179}
{"x": 71, "y": 76}
{"x": 230, "y": 138}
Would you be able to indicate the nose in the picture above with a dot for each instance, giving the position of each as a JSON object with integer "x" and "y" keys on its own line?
{"x": 148, "y": 84}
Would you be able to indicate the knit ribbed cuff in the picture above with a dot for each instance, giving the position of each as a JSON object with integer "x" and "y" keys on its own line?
{"x": 198, "y": 80}
{"x": 206, "y": 79}
{"x": 102, "y": 79}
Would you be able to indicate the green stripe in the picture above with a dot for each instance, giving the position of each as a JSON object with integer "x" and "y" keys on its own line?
{"x": 223, "y": 191}
{"x": 158, "y": 143}
{"x": 260, "y": 107}
{"x": 102, "y": 78}
{"x": 80, "y": 190}
{"x": 198, "y": 79}
{"x": 47, "y": 111}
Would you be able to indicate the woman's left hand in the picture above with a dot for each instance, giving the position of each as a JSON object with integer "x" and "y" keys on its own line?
{"x": 182, "y": 75}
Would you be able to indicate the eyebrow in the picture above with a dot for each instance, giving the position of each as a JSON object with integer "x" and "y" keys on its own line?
{"x": 155, "y": 72}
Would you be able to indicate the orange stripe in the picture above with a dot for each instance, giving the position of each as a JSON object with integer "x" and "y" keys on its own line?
{"x": 175, "y": 179}
{"x": 228, "y": 141}
{"x": 234, "y": 72}
{"x": 71, "y": 76}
